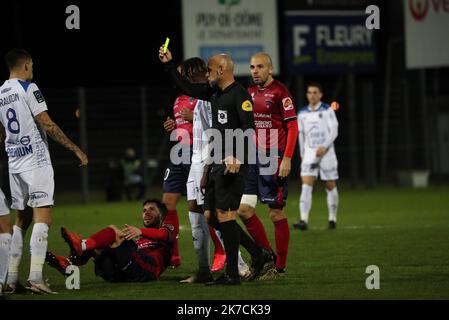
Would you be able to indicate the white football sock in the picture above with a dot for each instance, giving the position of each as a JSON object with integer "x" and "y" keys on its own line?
{"x": 15, "y": 255}
{"x": 5, "y": 243}
{"x": 38, "y": 249}
{"x": 332, "y": 203}
{"x": 201, "y": 238}
{"x": 305, "y": 202}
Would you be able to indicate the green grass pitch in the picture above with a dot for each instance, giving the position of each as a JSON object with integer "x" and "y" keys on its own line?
{"x": 405, "y": 232}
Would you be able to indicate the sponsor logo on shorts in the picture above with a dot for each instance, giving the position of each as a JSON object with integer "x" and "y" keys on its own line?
{"x": 38, "y": 195}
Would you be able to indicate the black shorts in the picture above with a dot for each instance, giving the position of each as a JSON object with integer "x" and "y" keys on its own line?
{"x": 271, "y": 189}
{"x": 175, "y": 177}
{"x": 224, "y": 192}
{"x": 119, "y": 264}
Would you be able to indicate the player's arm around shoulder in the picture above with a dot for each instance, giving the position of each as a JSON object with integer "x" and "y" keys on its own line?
{"x": 53, "y": 130}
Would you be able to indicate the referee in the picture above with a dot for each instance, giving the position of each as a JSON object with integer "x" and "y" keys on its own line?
{"x": 231, "y": 109}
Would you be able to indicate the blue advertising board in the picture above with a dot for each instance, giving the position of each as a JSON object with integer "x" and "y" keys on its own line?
{"x": 328, "y": 42}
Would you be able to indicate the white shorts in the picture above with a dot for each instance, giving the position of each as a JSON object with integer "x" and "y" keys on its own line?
{"x": 34, "y": 188}
{"x": 4, "y": 209}
{"x": 194, "y": 183}
{"x": 327, "y": 169}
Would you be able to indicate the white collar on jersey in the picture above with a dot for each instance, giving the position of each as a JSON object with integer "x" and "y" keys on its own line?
{"x": 315, "y": 107}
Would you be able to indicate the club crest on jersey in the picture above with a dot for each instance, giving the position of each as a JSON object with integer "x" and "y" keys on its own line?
{"x": 268, "y": 103}
{"x": 287, "y": 103}
{"x": 247, "y": 106}
{"x": 222, "y": 116}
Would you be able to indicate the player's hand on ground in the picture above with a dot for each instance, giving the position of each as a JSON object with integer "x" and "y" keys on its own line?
{"x": 164, "y": 57}
{"x": 232, "y": 165}
{"x": 321, "y": 151}
{"x": 285, "y": 167}
{"x": 187, "y": 114}
{"x": 169, "y": 125}
{"x": 131, "y": 232}
{"x": 82, "y": 157}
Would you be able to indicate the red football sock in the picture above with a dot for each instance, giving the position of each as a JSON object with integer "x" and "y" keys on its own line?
{"x": 173, "y": 219}
{"x": 218, "y": 246}
{"x": 102, "y": 239}
{"x": 282, "y": 236}
{"x": 257, "y": 231}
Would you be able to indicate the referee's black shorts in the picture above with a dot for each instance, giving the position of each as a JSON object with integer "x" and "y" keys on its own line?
{"x": 224, "y": 192}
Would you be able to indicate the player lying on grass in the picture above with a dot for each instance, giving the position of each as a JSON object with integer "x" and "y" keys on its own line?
{"x": 128, "y": 255}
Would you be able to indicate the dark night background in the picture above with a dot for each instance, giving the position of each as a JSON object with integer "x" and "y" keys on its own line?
{"x": 114, "y": 54}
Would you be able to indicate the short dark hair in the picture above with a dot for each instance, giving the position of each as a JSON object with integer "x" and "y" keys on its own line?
{"x": 16, "y": 57}
{"x": 160, "y": 205}
{"x": 316, "y": 85}
{"x": 194, "y": 69}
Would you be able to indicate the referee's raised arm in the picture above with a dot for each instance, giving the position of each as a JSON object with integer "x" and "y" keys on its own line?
{"x": 200, "y": 91}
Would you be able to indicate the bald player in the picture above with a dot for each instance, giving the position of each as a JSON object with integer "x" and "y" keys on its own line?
{"x": 277, "y": 131}
{"x": 232, "y": 109}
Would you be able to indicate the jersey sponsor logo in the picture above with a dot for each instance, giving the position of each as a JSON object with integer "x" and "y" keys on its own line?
{"x": 25, "y": 140}
{"x": 38, "y": 95}
{"x": 287, "y": 103}
{"x": 263, "y": 124}
{"x": 9, "y": 99}
{"x": 5, "y": 90}
{"x": 247, "y": 106}
{"x": 223, "y": 116}
{"x": 38, "y": 195}
{"x": 19, "y": 151}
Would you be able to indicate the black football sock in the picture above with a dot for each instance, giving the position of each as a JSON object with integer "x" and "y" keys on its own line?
{"x": 231, "y": 239}
{"x": 248, "y": 243}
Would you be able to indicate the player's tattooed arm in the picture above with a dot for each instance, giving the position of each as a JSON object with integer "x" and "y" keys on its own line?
{"x": 53, "y": 130}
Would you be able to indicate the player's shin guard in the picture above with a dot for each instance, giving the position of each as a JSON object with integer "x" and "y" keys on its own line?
{"x": 231, "y": 239}
{"x": 15, "y": 255}
{"x": 305, "y": 202}
{"x": 282, "y": 236}
{"x": 38, "y": 249}
{"x": 201, "y": 239}
{"x": 5, "y": 243}
{"x": 257, "y": 231}
{"x": 332, "y": 203}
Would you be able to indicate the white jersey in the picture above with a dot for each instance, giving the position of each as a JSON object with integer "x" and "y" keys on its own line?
{"x": 317, "y": 128}
{"x": 202, "y": 121}
{"x": 26, "y": 143}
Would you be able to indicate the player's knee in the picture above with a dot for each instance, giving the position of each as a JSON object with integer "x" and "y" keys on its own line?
{"x": 330, "y": 185}
{"x": 207, "y": 215}
{"x": 245, "y": 212}
{"x": 247, "y": 206}
{"x": 276, "y": 214}
{"x": 192, "y": 206}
